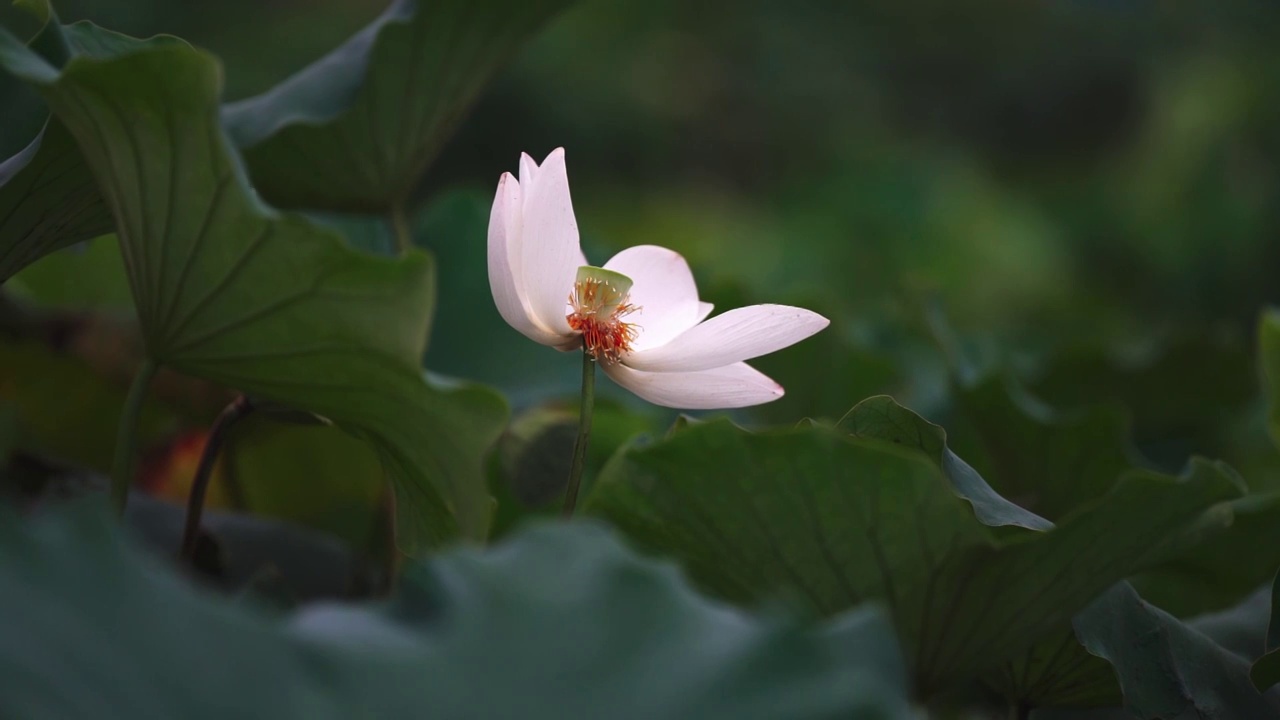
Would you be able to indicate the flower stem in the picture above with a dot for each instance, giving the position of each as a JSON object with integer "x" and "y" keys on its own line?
{"x": 584, "y": 432}
{"x": 123, "y": 465}
{"x": 400, "y": 229}
{"x": 389, "y": 521}
{"x": 204, "y": 471}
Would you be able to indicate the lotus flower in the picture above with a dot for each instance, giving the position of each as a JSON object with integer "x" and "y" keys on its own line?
{"x": 638, "y": 316}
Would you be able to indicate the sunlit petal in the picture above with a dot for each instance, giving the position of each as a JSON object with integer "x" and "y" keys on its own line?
{"x": 505, "y": 278}
{"x": 663, "y": 292}
{"x": 734, "y": 336}
{"x": 704, "y": 309}
{"x": 731, "y": 386}
{"x": 550, "y": 251}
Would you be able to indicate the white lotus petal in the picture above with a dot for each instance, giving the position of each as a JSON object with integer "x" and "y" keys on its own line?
{"x": 528, "y": 170}
{"x": 732, "y": 386}
{"x": 663, "y": 290}
{"x": 505, "y": 279}
{"x": 704, "y": 309}
{"x": 550, "y": 249}
{"x": 740, "y": 334}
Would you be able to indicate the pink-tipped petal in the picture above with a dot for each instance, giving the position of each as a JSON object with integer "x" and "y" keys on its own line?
{"x": 550, "y": 251}
{"x": 737, "y": 335}
{"x": 732, "y": 386}
{"x": 505, "y": 278}
{"x": 663, "y": 290}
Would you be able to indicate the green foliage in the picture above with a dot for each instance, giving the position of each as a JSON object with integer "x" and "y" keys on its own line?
{"x": 162, "y": 648}
{"x": 1215, "y": 570}
{"x": 883, "y": 419}
{"x": 269, "y": 304}
{"x": 1269, "y": 349}
{"x": 1266, "y": 670}
{"x": 33, "y": 374}
{"x": 1176, "y": 672}
{"x": 313, "y": 475}
{"x": 87, "y": 278}
{"x": 1170, "y": 413}
{"x": 837, "y": 521}
{"x": 534, "y": 456}
{"x": 1017, "y": 527}
{"x": 1057, "y": 671}
{"x": 1049, "y": 463}
{"x": 48, "y": 201}
{"x": 355, "y": 130}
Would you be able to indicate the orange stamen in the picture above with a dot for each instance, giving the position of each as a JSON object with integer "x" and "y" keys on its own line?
{"x": 598, "y": 309}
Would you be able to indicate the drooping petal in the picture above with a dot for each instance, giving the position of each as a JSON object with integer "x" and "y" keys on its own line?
{"x": 550, "y": 251}
{"x": 663, "y": 291}
{"x": 505, "y": 278}
{"x": 732, "y": 386}
{"x": 740, "y": 334}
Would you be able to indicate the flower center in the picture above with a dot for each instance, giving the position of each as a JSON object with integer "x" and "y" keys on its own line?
{"x": 598, "y": 303}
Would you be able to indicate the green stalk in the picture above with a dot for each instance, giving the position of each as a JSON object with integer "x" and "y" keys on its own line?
{"x": 584, "y": 433}
{"x": 389, "y": 522}
{"x": 204, "y": 472}
{"x": 400, "y": 229}
{"x": 124, "y": 464}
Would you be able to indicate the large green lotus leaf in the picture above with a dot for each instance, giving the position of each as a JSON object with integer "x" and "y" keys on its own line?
{"x": 468, "y": 336}
{"x": 355, "y": 130}
{"x": 882, "y": 418}
{"x": 48, "y": 200}
{"x": 1165, "y": 668}
{"x": 561, "y": 621}
{"x": 48, "y": 197}
{"x": 838, "y": 520}
{"x": 1210, "y": 566}
{"x": 1241, "y": 628}
{"x": 229, "y": 290}
{"x": 1059, "y": 671}
{"x": 1219, "y": 569}
{"x": 1170, "y": 669}
{"x": 1048, "y": 462}
{"x": 1056, "y": 670}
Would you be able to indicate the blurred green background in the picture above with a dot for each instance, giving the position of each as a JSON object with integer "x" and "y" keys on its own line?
{"x": 1052, "y": 176}
{"x": 1069, "y": 168}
